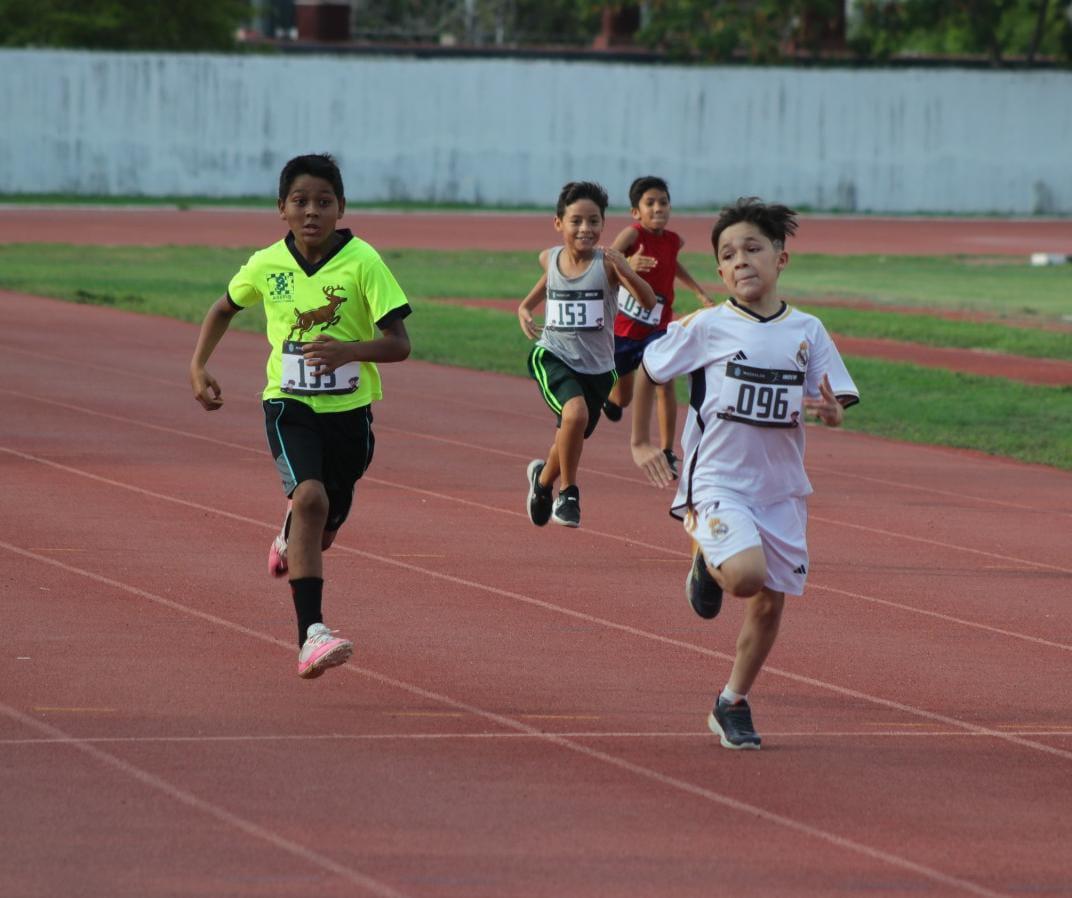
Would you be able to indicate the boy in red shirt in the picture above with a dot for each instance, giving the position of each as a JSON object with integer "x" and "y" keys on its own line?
{"x": 652, "y": 250}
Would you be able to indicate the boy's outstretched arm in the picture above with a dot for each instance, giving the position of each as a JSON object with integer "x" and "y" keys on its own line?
{"x": 827, "y": 407}
{"x": 324, "y": 354}
{"x": 689, "y": 281}
{"x": 213, "y": 327}
{"x": 524, "y": 311}
{"x": 650, "y": 459}
{"x": 632, "y": 281}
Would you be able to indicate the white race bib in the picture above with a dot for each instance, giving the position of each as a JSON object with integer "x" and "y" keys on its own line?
{"x": 575, "y": 310}
{"x": 628, "y": 305}
{"x": 764, "y": 397}
{"x": 296, "y": 378}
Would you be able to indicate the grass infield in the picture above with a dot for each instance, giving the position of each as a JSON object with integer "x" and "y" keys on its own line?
{"x": 901, "y": 401}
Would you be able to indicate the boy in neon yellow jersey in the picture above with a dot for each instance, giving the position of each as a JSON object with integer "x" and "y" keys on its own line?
{"x": 325, "y": 294}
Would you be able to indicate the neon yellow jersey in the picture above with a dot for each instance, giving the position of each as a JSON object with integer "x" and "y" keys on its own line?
{"x": 346, "y": 295}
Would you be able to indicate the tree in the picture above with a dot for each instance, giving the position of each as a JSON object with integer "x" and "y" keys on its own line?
{"x": 719, "y": 30}
{"x": 993, "y": 29}
{"x": 123, "y": 24}
{"x": 477, "y": 22}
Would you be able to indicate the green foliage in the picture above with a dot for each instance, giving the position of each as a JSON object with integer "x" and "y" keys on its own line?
{"x": 766, "y": 31}
{"x": 122, "y": 24}
{"x": 719, "y": 30}
{"x": 993, "y": 29}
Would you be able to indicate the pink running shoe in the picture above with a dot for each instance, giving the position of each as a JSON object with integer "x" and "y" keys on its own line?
{"x": 322, "y": 649}
{"x": 277, "y": 556}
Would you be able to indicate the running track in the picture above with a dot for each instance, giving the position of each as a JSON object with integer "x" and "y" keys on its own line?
{"x": 524, "y": 716}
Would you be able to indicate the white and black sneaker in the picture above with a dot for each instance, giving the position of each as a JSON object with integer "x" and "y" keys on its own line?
{"x": 701, "y": 589}
{"x": 539, "y": 502}
{"x": 567, "y": 510}
{"x": 733, "y": 724}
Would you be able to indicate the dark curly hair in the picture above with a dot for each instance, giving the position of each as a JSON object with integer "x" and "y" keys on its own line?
{"x": 777, "y": 222}
{"x": 581, "y": 190}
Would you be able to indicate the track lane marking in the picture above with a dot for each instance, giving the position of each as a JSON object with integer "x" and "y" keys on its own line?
{"x": 480, "y": 448}
{"x": 504, "y": 721}
{"x": 697, "y": 734}
{"x": 675, "y": 553}
{"x": 527, "y": 600}
{"x": 219, "y": 813}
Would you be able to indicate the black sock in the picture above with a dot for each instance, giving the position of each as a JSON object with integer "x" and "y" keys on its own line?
{"x": 307, "y": 593}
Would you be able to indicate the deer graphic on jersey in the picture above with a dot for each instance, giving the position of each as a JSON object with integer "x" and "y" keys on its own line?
{"x": 325, "y": 316}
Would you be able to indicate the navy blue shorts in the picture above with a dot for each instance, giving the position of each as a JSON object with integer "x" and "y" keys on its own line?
{"x": 334, "y": 448}
{"x": 628, "y": 352}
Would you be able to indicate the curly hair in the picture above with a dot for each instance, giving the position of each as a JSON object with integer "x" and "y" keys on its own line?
{"x": 777, "y": 222}
{"x": 581, "y": 190}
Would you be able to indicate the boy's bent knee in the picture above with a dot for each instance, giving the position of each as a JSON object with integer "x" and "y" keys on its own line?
{"x": 575, "y": 414}
{"x": 309, "y": 499}
{"x": 744, "y": 573}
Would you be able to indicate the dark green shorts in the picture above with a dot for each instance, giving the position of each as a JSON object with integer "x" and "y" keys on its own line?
{"x": 558, "y": 383}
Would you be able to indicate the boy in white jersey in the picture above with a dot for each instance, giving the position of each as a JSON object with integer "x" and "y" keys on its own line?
{"x": 325, "y": 295}
{"x": 573, "y": 359}
{"x": 757, "y": 366}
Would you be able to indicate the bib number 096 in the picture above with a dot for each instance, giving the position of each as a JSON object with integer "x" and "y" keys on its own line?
{"x": 763, "y": 402}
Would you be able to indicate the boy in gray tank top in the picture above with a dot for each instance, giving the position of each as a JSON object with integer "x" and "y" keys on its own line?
{"x": 573, "y": 359}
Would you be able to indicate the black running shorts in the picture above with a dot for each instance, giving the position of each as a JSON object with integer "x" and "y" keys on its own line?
{"x": 558, "y": 383}
{"x": 334, "y": 448}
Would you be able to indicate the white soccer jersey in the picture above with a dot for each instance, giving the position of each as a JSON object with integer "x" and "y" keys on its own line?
{"x": 744, "y": 435}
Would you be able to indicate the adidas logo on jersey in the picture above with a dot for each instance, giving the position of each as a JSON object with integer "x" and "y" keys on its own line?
{"x": 800, "y": 569}
{"x": 740, "y": 357}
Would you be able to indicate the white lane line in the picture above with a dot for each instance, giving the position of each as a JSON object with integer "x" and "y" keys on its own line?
{"x": 930, "y": 490}
{"x": 476, "y": 447}
{"x": 501, "y": 720}
{"x": 674, "y": 553}
{"x": 943, "y": 545}
{"x": 426, "y": 573}
{"x": 1037, "y": 640}
{"x": 618, "y": 735}
{"x": 183, "y": 796}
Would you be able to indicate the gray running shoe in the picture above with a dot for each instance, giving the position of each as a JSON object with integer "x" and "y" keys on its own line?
{"x": 733, "y": 724}
{"x": 568, "y": 507}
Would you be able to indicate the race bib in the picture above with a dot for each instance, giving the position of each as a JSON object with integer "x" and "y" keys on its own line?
{"x": 575, "y": 310}
{"x": 764, "y": 397}
{"x": 628, "y": 305}
{"x": 297, "y": 378}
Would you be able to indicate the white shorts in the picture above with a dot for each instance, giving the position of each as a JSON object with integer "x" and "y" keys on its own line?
{"x": 725, "y": 527}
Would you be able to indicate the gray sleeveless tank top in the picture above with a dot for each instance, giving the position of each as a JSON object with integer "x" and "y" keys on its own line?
{"x": 579, "y": 316}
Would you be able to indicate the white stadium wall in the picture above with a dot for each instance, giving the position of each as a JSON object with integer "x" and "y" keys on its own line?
{"x": 502, "y": 131}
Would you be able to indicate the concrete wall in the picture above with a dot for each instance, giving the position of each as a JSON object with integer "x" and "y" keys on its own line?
{"x": 513, "y": 131}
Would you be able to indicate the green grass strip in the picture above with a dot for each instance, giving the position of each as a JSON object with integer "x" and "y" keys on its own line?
{"x": 900, "y": 401}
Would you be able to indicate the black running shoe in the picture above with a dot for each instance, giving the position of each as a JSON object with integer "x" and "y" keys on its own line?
{"x": 539, "y": 496}
{"x": 703, "y": 593}
{"x": 672, "y": 460}
{"x": 612, "y": 411}
{"x": 733, "y": 724}
{"x": 568, "y": 507}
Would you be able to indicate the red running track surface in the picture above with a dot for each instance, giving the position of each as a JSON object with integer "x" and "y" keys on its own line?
{"x": 525, "y": 712}
{"x": 505, "y": 231}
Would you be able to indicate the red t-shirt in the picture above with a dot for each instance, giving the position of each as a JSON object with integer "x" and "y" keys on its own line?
{"x": 632, "y": 319}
